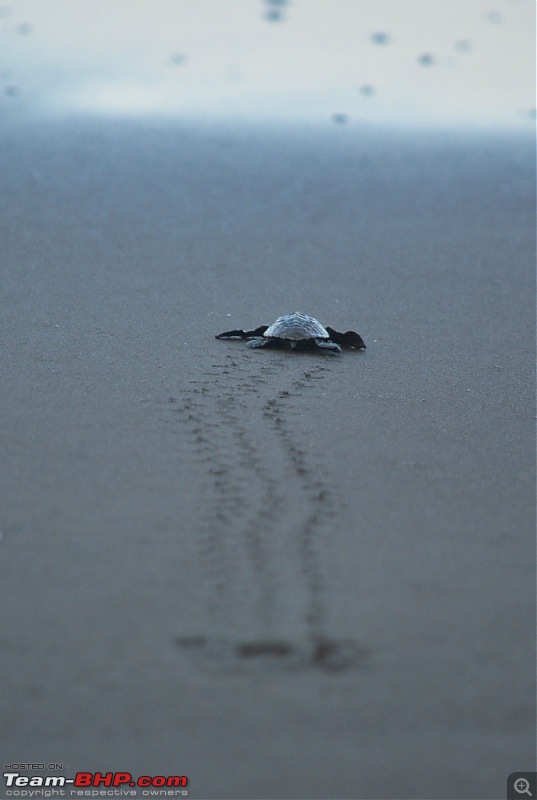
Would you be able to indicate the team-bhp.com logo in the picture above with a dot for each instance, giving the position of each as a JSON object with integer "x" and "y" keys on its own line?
{"x": 94, "y": 784}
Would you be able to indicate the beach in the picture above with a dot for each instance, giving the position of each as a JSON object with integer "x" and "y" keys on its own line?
{"x": 279, "y": 574}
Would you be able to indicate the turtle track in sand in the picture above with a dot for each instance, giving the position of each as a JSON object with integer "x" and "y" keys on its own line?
{"x": 261, "y": 529}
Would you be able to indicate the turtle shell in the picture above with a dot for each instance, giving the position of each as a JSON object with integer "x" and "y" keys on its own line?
{"x": 296, "y": 326}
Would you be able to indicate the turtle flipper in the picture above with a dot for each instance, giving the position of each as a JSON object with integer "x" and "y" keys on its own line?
{"x": 242, "y": 334}
{"x": 347, "y": 339}
{"x": 330, "y": 347}
{"x": 272, "y": 343}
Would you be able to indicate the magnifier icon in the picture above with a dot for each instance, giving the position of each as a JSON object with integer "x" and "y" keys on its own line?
{"x": 522, "y": 786}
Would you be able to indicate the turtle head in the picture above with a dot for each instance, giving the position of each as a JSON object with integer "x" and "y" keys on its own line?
{"x": 353, "y": 339}
{"x": 347, "y": 339}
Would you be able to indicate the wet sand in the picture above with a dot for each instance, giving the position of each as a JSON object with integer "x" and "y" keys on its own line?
{"x": 282, "y": 575}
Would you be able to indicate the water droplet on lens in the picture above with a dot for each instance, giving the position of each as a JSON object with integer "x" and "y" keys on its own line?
{"x": 495, "y": 17}
{"x": 380, "y": 38}
{"x": 274, "y": 10}
{"x": 464, "y": 46}
{"x": 426, "y": 59}
{"x": 273, "y": 15}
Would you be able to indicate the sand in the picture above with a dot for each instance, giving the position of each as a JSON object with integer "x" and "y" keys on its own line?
{"x": 282, "y": 575}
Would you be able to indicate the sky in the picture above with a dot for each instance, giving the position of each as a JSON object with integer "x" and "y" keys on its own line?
{"x": 439, "y": 62}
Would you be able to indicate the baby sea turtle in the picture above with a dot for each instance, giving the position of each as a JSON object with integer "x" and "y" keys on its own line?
{"x": 298, "y": 332}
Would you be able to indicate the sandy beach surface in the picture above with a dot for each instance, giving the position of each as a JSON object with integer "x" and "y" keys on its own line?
{"x": 281, "y": 575}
